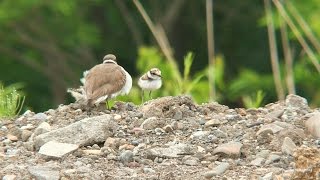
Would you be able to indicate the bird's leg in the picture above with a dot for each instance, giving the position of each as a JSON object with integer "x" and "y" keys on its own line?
{"x": 142, "y": 96}
{"x": 150, "y": 95}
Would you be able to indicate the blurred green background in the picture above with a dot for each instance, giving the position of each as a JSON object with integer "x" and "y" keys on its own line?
{"x": 46, "y": 45}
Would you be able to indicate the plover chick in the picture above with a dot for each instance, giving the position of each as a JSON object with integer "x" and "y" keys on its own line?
{"x": 150, "y": 81}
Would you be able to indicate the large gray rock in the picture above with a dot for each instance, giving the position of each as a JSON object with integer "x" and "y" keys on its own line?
{"x": 85, "y": 132}
{"x": 54, "y": 149}
{"x": 295, "y": 105}
{"x": 296, "y": 102}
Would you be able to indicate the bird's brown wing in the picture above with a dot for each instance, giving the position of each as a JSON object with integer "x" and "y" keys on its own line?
{"x": 145, "y": 77}
{"x": 104, "y": 79}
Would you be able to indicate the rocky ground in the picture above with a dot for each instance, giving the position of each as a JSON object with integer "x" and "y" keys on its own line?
{"x": 165, "y": 138}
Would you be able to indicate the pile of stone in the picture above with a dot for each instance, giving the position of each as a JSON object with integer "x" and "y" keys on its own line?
{"x": 165, "y": 138}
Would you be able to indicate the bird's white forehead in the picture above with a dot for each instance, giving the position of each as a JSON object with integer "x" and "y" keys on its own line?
{"x": 154, "y": 69}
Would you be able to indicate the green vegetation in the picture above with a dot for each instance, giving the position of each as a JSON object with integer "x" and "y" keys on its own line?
{"x": 253, "y": 101}
{"x": 11, "y": 101}
{"x": 149, "y": 57}
{"x": 261, "y": 51}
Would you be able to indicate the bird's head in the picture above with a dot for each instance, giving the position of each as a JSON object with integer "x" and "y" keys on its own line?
{"x": 109, "y": 58}
{"x": 155, "y": 73}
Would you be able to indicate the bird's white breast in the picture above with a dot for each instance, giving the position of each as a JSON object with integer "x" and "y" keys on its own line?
{"x": 128, "y": 85}
{"x": 150, "y": 84}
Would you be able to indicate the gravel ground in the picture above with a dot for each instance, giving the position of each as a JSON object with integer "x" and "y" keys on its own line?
{"x": 164, "y": 138}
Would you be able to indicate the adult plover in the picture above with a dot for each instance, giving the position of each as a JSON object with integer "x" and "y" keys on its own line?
{"x": 150, "y": 81}
{"x": 106, "y": 81}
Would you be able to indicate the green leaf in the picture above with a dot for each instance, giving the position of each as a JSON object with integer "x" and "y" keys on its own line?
{"x": 11, "y": 102}
{"x": 254, "y": 101}
{"x": 194, "y": 82}
{"x": 188, "y": 59}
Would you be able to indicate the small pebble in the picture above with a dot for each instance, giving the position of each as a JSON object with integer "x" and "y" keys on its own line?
{"x": 200, "y": 135}
{"x": 12, "y": 137}
{"x": 126, "y": 156}
{"x": 9, "y": 177}
{"x": 190, "y": 161}
{"x": 40, "y": 116}
{"x": 159, "y": 131}
{"x": 135, "y": 143}
{"x": 177, "y": 115}
{"x": 212, "y": 122}
{"x": 288, "y": 146}
{"x": 272, "y": 158}
{"x": 218, "y": 170}
{"x": 257, "y": 162}
{"x": 268, "y": 176}
{"x": 117, "y": 117}
{"x": 168, "y": 128}
{"x": 95, "y": 146}
{"x": 25, "y": 134}
{"x": 202, "y": 122}
{"x": 4, "y": 128}
{"x": 27, "y": 127}
{"x": 148, "y": 170}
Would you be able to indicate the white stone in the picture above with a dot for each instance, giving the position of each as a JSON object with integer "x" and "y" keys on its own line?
{"x": 54, "y": 149}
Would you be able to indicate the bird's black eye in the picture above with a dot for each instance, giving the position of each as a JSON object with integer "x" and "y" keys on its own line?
{"x": 153, "y": 73}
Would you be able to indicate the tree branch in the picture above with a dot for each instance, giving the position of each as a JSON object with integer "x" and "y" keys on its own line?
{"x": 171, "y": 14}
{"x": 273, "y": 51}
{"x": 130, "y": 22}
{"x": 297, "y": 33}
